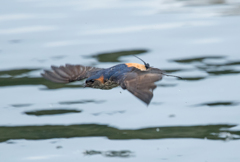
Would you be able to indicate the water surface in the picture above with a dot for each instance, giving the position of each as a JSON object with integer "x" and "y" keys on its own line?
{"x": 193, "y": 119}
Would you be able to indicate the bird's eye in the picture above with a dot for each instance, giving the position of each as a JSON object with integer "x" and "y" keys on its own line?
{"x": 147, "y": 66}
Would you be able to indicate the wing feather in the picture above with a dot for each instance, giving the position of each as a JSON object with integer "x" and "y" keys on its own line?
{"x": 69, "y": 73}
{"x": 141, "y": 83}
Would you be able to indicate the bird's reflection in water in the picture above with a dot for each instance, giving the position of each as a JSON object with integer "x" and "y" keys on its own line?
{"x": 120, "y": 154}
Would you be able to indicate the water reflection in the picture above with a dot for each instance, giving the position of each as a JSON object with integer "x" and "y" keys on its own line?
{"x": 121, "y": 154}
{"x": 197, "y": 59}
{"x": 222, "y": 72}
{"x": 193, "y": 78}
{"x": 16, "y": 72}
{"x": 227, "y": 103}
{"x": 208, "y": 64}
{"x": 14, "y": 41}
{"x": 214, "y": 7}
{"x": 166, "y": 85}
{"x": 157, "y": 103}
{"x": 205, "y": 2}
{"x": 114, "y": 56}
{"x": 109, "y": 113}
{"x": 95, "y": 130}
{"x": 19, "y": 77}
{"x": 173, "y": 70}
{"x": 21, "y": 105}
{"x": 51, "y": 112}
{"x": 228, "y": 136}
{"x": 58, "y": 57}
{"x": 227, "y": 63}
{"x": 34, "y": 81}
{"x": 137, "y": 26}
{"x": 80, "y": 102}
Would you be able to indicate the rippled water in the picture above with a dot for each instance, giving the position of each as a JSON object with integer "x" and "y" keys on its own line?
{"x": 194, "y": 119}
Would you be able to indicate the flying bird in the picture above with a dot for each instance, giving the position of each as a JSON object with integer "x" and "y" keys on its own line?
{"x": 137, "y": 78}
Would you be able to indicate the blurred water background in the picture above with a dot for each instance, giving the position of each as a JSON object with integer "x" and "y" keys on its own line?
{"x": 195, "y": 119}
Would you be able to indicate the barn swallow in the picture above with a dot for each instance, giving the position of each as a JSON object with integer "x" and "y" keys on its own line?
{"x": 136, "y": 78}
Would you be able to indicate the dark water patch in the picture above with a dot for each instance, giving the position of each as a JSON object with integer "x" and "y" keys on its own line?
{"x": 166, "y": 85}
{"x": 109, "y": 113}
{"x": 14, "y": 41}
{"x": 197, "y": 59}
{"x": 115, "y": 112}
{"x": 95, "y": 130}
{"x": 171, "y": 115}
{"x": 39, "y": 60}
{"x": 80, "y": 102}
{"x": 53, "y": 142}
{"x": 204, "y": 2}
{"x": 212, "y": 68}
{"x": 34, "y": 81}
{"x": 21, "y": 105}
{"x": 52, "y": 112}
{"x": 222, "y": 72}
{"x": 192, "y": 78}
{"x": 114, "y": 56}
{"x": 16, "y": 72}
{"x": 58, "y": 57}
{"x": 10, "y": 142}
{"x": 227, "y": 103}
{"x": 229, "y": 63}
{"x": 96, "y": 114}
{"x": 203, "y": 68}
{"x": 59, "y": 147}
{"x": 121, "y": 154}
{"x": 232, "y": 63}
{"x": 231, "y": 11}
{"x": 156, "y": 103}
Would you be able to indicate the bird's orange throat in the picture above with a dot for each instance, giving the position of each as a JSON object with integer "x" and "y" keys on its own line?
{"x": 136, "y": 65}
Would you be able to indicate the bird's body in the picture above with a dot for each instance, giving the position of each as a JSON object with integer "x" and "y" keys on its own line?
{"x": 136, "y": 78}
{"x": 110, "y": 77}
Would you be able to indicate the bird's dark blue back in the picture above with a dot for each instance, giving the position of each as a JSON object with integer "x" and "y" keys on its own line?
{"x": 115, "y": 72}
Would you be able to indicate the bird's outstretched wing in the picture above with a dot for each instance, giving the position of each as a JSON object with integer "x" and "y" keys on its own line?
{"x": 69, "y": 73}
{"x": 141, "y": 83}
